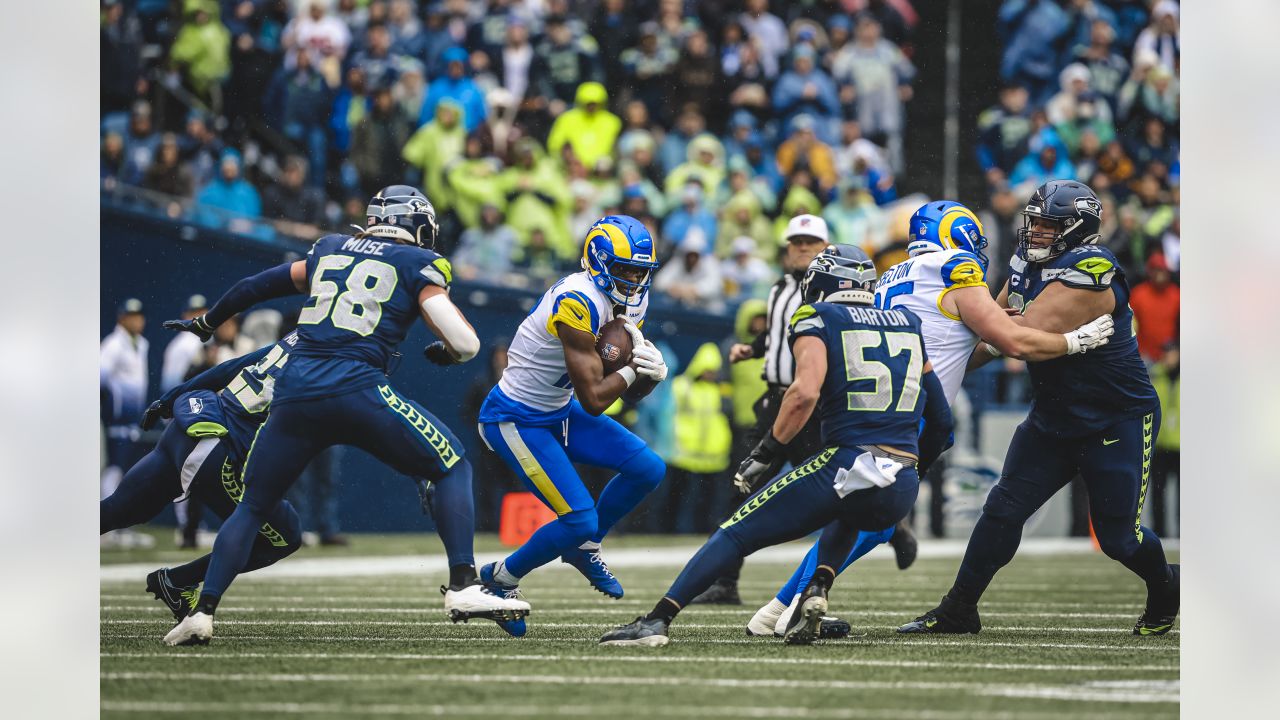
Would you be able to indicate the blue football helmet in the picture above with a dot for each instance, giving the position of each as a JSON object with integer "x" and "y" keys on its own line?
{"x": 946, "y": 225}
{"x": 840, "y": 274}
{"x": 620, "y": 242}
{"x": 402, "y": 213}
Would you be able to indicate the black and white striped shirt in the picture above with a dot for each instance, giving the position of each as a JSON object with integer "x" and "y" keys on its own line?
{"x": 784, "y": 300}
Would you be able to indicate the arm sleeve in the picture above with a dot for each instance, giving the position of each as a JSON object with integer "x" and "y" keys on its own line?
{"x": 938, "y": 422}
{"x": 266, "y": 285}
{"x": 216, "y": 377}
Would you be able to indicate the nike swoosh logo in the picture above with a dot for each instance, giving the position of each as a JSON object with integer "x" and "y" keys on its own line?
{"x": 1154, "y": 630}
{"x": 930, "y": 623}
{"x": 1110, "y": 442}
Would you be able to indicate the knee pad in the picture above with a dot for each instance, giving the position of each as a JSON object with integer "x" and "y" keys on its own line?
{"x": 646, "y": 467}
{"x": 1004, "y": 507}
{"x": 581, "y": 525}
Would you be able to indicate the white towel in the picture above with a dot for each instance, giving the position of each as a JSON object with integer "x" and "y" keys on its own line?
{"x": 868, "y": 471}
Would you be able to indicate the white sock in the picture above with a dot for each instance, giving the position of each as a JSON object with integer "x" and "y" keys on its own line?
{"x": 504, "y": 576}
{"x": 775, "y": 606}
{"x": 589, "y": 545}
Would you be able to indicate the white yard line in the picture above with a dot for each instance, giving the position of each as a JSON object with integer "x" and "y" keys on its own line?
{"x": 642, "y": 659}
{"x": 1059, "y": 692}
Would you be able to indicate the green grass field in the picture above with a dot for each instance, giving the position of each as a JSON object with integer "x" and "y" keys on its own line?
{"x": 1056, "y": 643}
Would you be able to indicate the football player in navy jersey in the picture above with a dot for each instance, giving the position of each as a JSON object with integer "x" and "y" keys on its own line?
{"x": 366, "y": 292}
{"x": 866, "y": 373}
{"x": 1095, "y": 414}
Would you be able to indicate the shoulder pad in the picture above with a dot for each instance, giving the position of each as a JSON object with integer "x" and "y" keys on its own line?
{"x": 962, "y": 269}
{"x": 438, "y": 271}
{"x": 1089, "y": 266}
{"x": 326, "y": 238}
{"x": 574, "y": 309}
{"x": 806, "y": 317}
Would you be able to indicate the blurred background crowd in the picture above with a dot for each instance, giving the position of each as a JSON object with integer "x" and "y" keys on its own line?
{"x": 713, "y": 121}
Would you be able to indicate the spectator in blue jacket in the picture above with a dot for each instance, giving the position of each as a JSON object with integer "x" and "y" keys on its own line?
{"x": 230, "y": 191}
{"x": 1046, "y": 160}
{"x": 349, "y": 108}
{"x": 302, "y": 99}
{"x": 691, "y": 213}
{"x": 456, "y": 84}
{"x": 806, "y": 89}
{"x": 1034, "y": 30}
{"x": 1002, "y": 133}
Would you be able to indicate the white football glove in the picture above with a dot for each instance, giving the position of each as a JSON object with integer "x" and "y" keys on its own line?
{"x": 1091, "y": 335}
{"x": 649, "y": 362}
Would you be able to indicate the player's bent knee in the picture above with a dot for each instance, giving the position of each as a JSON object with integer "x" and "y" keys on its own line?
{"x": 581, "y": 525}
{"x": 1119, "y": 543}
{"x": 646, "y": 468}
{"x": 1004, "y": 507}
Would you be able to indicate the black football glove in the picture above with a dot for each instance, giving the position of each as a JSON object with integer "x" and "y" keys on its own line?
{"x": 196, "y": 326}
{"x": 438, "y": 353}
{"x": 763, "y": 463}
{"x": 153, "y": 413}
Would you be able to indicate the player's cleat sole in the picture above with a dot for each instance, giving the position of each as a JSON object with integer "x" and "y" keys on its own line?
{"x": 180, "y": 600}
{"x": 638, "y": 633}
{"x": 720, "y": 593}
{"x": 195, "y": 629}
{"x": 904, "y": 544}
{"x": 949, "y": 618}
{"x": 1158, "y": 616}
{"x": 511, "y": 622}
{"x": 593, "y": 567}
{"x": 806, "y": 625}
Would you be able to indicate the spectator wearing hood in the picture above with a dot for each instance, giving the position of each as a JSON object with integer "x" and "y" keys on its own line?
{"x": 806, "y": 89}
{"x": 741, "y": 126}
{"x": 704, "y": 163}
{"x": 804, "y": 150}
{"x": 1156, "y": 305}
{"x": 1074, "y": 81}
{"x": 537, "y": 198}
{"x": 694, "y": 492}
{"x": 692, "y": 276}
{"x": 1087, "y": 117}
{"x": 855, "y": 219}
{"x": 743, "y": 217}
{"x": 688, "y": 215}
{"x": 674, "y": 148}
{"x": 1047, "y": 159}
{"x": 229, "y": 191}
{"x": 1150, "y": 91}
{"x": 474, "y": 179}
{"x": 881, "y": 77}
{"x": 202, "y": 48}
{"x": 589, "y": 129}
{"x": 746, "y": 376}
{"x": 799, "y": 200}
{"x": 744, "y": 274}
{"x": 763, "y": 165}
{"x": 640, "y": 149}
{"x": 433, "y": 147}
{"x": 455, "y": 84}
{"x": 1161, "y": 37}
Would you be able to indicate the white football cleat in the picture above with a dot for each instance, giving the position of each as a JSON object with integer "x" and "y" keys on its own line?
{"x": 475, "y": 599}
{"x": 762, "y": 624}
{"x": 195, "y": 629}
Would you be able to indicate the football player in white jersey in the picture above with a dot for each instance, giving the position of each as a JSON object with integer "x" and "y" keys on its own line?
{"x": 944, "y": 283}
{"x": 545, "y": 412}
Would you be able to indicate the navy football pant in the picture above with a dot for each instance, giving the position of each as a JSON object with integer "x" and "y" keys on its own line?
{"x": 181, "y": 464}
{"x": 792, "y": 506}
{"x": 388, "y": 426}
{"x": 1115, "y": 465}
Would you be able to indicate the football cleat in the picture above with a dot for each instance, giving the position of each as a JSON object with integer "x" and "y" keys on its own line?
{"x": 458, "y": 598}
{"x": 806, "y": 622}
{"x": 180, "y": 600}
{"x": 195, "y": 629}
{"x": 641, "y": 632}
{"x": 950, "y": 617}
{"x": 594, "y": 569}
{"x": 832, "y": 628}
{"x": 722, "y": 592}
{"x": 904, "y": 544}
{"x": 762, "y": 624}
{"x": 1162, "y": 608}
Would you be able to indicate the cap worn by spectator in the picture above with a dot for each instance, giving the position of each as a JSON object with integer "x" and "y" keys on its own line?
{"x": 591, "y": 93}
{"x": 197, "y": 302}
{"x": 1165, "y": 7}
{"x": 1157, "y": 263}
{"x": 131, "y": 306}
{"x": 806, "y": 226}
{"x": 455, "y": 54}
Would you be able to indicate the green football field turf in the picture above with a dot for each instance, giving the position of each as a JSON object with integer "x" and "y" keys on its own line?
{"x": 1056, "y": 643}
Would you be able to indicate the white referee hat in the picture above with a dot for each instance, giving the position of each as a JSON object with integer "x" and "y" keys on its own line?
{"x": 810, "y": 225}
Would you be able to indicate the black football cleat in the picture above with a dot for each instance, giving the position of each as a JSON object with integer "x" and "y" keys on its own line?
{"x": 950, "y": 617}
{"x": 806, "y": 622}
{"x": 904, "y": 544}
{"x": 833, "y": 628}
{"x": 723, "y": 592}
{"x": 180, "y": 600}
{"x": 640, "y": 632}
{"x": 1162, "y": 607}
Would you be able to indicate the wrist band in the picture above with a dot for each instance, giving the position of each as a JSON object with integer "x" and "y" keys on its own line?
{"x": 628, "y": 374}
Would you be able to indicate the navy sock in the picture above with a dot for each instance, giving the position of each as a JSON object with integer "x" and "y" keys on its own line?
{"x": 717, "y": 555}
{"x": 823, "y": 576}
{"x": 454, "y": 510}
{"x": 636, "y": 478}
{"x": 666, "y": 611}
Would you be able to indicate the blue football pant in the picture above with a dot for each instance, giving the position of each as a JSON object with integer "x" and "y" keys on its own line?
{"x": 792, "y": 506}
{"x": 378, "y": 420}
{"x": 799, "y": 579}
{"x": 202, "y": 466}
{"x": 543, "y": 457}
{"x": 1115, "y": 465}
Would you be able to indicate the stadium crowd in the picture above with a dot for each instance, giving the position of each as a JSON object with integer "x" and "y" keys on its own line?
{"x": 713, "y": 121}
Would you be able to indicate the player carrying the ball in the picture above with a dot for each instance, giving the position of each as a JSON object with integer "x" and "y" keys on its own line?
{"x": 545, "y": 413}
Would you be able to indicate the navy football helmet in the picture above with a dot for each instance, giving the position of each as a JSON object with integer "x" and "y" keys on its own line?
{"x": 1072, "y": 208}
{"x": 402, "y": 213}
{"x": 840, "y": 274}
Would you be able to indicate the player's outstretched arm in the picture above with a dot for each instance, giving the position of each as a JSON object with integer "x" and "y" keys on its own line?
{"x": 594, "y": 390}
{"x": 279, "y": 281}
{"x": 798, "y": 403}
{"x": 458, "y": 342}
{"x": 1035, "y": 339}
{"x": 215, "y": 378}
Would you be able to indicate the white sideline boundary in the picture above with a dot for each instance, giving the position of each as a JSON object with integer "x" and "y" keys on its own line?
{"x": 635, "y": 558}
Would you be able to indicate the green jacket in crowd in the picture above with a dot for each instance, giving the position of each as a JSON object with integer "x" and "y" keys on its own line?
{"x": 433, "y": 147}
{"x": 538, "y": 196}
{"x": 747, "y": 376}
{"x": 204, "y": 49}
{"x": 1169, "y": 388}
{"x": 703, "y": 437}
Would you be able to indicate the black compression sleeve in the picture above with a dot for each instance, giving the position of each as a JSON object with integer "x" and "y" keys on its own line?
{"x": 269, "y": 284}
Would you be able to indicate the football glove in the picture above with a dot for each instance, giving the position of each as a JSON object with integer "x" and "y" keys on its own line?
{"x": 153, "y": 413}
{"x": 649, "y": 362}
{"x": 196, "y": 326}
{"x": 764, "y": 462}
{"x": 438, "y": 353}
{"x": 1091, "y": 335}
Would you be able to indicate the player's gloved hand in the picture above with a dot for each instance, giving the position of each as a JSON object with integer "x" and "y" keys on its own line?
{"x": 637, "y": 338}
{"x": 1090, "y": 335}
{"x": 153, "y": 413}
{"x": 197, "y": 326}
{"x": 649, "y": 361}
{"x": 763, "y": 463}
{"x": 438, "y": 353}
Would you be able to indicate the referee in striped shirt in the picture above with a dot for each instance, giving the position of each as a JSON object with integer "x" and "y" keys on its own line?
{"x": 805, "y": 237}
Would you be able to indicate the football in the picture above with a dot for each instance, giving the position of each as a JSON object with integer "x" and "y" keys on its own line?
{"x": 614, "y": 345}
